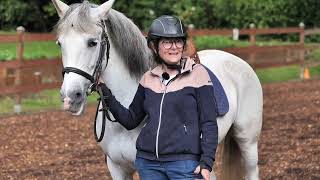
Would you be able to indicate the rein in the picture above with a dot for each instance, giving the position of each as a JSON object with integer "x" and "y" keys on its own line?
{"x": 94, "y": 79}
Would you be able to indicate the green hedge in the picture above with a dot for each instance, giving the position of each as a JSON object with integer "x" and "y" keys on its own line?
{"x": 40, "y": 15}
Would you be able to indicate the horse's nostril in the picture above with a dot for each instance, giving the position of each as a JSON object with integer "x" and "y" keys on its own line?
{"x": 78, "y": 95}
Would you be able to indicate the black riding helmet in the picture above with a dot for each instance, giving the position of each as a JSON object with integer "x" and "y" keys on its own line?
{"x": 166, "y": 27}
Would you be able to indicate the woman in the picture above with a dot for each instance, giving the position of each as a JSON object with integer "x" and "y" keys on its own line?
{"x": 180, "y": 134}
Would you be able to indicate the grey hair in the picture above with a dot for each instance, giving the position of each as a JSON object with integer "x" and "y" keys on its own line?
{"x": 129, "y": 42}
{"x": 125, "y": 36}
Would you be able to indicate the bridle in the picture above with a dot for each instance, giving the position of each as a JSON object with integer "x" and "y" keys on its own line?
{"x": 95, "y": 78}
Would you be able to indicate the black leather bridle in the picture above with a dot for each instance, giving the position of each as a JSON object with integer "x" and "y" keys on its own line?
{"x": 95, "y": 78}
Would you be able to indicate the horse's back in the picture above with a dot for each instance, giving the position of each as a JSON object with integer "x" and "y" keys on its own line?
{"x": 230, "y": 69}
{"x": 241, "y": 85}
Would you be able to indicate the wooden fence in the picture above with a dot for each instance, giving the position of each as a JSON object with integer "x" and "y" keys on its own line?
{"x": 14, "y": 81}
{"x": 262, "y": 56}
{"x": 21, "y": 77}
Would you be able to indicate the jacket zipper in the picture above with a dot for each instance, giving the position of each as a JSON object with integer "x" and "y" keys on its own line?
{"x": 185, "y": 129}
{"x": 160, "y": 115}
{"x": 158, "y": 130}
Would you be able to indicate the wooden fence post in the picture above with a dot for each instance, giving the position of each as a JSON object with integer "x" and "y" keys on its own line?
{"x": 19, "y": 56}
{"x": 20, "y": 46}
{"x": 304, "y": 72}
{"x": 252, "y": 34}
{"x": 301, "y": 35}
{"x": 235, "y": 34}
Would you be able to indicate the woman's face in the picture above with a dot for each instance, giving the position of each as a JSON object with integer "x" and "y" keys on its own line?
{"x": 170, "y": 50}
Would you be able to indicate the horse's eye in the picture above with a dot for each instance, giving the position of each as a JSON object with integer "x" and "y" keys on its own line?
{"x": 92, "y": 43}
{"x": 58, "y": 43}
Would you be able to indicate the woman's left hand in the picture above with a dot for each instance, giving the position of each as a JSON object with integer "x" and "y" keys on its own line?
{"x": 204, "y": 172}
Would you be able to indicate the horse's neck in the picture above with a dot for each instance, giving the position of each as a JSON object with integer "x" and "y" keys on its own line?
{"x": 116, "y": 76}
{"x": 123, "y": 87}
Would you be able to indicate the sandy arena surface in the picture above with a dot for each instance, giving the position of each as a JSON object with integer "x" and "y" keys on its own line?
{"x": 56, "y": 145}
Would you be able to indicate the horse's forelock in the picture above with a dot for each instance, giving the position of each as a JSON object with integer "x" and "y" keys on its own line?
{"x": 78, "y": 18}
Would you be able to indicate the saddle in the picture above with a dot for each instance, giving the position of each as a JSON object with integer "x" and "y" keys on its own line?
{"x": 221, "y": 100}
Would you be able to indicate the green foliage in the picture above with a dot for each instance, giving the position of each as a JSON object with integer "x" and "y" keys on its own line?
{"x": 23, "y": 13}
{"x": 140, "y": 11}
{"x": 313, "y": 38}
{"x": 40, "y": 15}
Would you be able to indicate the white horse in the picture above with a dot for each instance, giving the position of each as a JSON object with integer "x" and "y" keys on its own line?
{"x": 80, "y": 35}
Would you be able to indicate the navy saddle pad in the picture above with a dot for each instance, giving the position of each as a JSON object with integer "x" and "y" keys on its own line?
{"x": 221, "y": 100}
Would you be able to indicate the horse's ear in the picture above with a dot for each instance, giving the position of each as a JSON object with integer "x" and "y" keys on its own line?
{"x": 103, "y": 9}
{"x": 61, "y": 7}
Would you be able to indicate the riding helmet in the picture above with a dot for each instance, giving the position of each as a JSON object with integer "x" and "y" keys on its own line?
{"x": 167, "y": 26}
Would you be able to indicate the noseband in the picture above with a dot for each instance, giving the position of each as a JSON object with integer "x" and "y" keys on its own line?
{"x": 94, "y": 79}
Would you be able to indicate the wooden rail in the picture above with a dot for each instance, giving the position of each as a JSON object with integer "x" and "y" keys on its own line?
{"x": 251, "y": 54}
{"x": 312, "y": 31}
{"x": 28, "y": 88}
{"x": 17, "y": 79}
{"x": 29, "y": 76}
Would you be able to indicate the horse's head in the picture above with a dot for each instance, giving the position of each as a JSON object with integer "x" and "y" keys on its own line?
{"x": 81, "y": 36}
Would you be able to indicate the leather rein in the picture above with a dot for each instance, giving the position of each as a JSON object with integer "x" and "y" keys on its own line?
{"x": 95, "y": 78}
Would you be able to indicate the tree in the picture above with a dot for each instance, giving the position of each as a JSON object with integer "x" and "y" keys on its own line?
{"x": 40, "y": 15}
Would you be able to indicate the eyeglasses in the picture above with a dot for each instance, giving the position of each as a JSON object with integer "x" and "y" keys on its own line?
{"x": 167, "y": 44}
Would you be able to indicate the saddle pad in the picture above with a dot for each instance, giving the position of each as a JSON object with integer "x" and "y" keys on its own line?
{"x": 221, "y": 100}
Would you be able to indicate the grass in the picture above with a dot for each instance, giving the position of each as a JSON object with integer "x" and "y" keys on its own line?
{"x": 220, "y": 42}
{"x": 8, "y": 32}
{"x": 281, "y": 74}
{"x": 32, "y": 50}
{"x": 314, "y": 55}
{"x": 44, "y": 100}
{"x": 315, "y": 71}
{"x": 217, "y": 42}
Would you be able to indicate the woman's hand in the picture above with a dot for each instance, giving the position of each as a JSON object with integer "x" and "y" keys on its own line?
{"x": 204, "y": 172}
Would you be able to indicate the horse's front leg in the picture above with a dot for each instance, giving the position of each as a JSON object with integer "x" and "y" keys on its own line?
{"x": 118, "y": 173}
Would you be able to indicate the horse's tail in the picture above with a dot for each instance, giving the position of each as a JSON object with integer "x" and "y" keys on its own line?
{"x": 232, "y": 166}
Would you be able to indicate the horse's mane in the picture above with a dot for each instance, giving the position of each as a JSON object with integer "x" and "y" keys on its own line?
{"x": 126, "y": 37}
